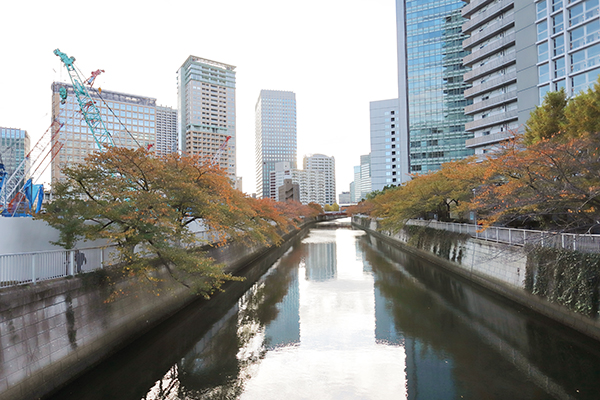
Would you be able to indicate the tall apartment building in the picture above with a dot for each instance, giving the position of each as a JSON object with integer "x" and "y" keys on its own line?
{"x": 275, "y": 135}
{"x": 325, "y": 164}
{"x": 430, "y": 84}
{"x": 166, "y": 130}
{"x": 388, "y": 166}
{"x": 207, "y": 113}
{"x": 501, "y": 62}
{"x": 311, "y": 183}
{"x": 312, "y": 186}
{"x": 129, "y": 119}
{"x": 520, "y": 50}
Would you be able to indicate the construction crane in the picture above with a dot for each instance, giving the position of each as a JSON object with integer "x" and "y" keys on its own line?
{"x": 90, "y": 112}
{"x": 217, "y": 157}
{"x": 18, "y": 195}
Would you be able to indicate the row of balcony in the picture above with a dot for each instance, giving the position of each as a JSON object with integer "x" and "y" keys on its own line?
{"x": 492, "y": 48}
{"x": 491, "y": 84}
{"x": 473, "y": 6}
{"x": 505, "y": 23}
{"x": 488, "y": 139}
{"x": 485, "y": 16}
{"x": 491, "y": 102}
{"x": 492, "y": 120}
{"x": 492, "y": 66}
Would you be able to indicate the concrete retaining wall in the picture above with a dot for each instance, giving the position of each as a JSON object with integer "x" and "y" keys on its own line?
{"x": 494, "y": 266}
{"x": 53, "y": 331}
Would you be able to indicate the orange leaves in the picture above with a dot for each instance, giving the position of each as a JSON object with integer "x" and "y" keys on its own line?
{"x": 145, "y": 204}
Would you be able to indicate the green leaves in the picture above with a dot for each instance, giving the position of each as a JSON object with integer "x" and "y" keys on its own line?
{"x": 144, "y": 204}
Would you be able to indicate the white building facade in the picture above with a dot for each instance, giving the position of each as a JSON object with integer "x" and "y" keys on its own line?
{"x": 166, "y": 130}
{"x": 389, "y": 166}
{"x": 325, "y": 164}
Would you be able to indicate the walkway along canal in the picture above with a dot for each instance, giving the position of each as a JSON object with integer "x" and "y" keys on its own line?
{"x": 343, "y": 315}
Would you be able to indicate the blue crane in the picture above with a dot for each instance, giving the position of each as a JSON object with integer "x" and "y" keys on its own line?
{"x": 90, "y": 112}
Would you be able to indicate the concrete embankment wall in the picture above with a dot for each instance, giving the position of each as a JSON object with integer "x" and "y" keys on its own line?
{"x": 495, "y": 266}
{"x": 53, "y": 331}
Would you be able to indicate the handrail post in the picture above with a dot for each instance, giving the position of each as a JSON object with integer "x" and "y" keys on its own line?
{"x": 33, "y": 260}
{"x": 71, "y": 263}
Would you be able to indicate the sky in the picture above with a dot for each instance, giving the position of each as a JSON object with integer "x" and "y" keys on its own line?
{"x": 336, "y": 55}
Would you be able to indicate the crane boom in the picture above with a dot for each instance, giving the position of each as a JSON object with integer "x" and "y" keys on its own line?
{"x": 90, "y": 112}
{"x": 217, "y": 157}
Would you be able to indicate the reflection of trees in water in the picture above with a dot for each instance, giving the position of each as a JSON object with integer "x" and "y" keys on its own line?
{"x": 219, "y": 368}
{"x": 422, "y": 314}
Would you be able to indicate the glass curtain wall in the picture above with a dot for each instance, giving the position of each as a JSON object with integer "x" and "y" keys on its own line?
{"x": 435, "y": 83}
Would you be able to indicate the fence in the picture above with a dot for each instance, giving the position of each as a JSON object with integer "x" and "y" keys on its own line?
{"x": 30, "y": 268}
{"x": 585, "y": 243}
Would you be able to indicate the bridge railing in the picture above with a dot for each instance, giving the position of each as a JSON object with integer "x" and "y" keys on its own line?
{"x": 33, "y": 267}
{"x": 586, "y": 243}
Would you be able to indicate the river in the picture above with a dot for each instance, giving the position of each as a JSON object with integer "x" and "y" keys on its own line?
{"x": 343, "y": 316}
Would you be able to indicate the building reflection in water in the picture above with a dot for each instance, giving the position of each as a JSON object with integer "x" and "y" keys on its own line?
{"x": 337, "y": 316}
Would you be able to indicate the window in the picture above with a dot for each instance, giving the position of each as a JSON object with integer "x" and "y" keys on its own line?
{"x": 542, "y": 50}
{"x": 543, "y": 73}
{"x": 542, "y": 30}
{"x": 557, "y": 23}
{"x": 559, "y": 45}
{"x": 559, "y": 67}
{"x": 556, "y": 5}
{"x": 543, "y": 90}
{"x": 541, "y": 9}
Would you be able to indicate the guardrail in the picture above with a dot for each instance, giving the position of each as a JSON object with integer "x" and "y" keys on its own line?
{"x": 30, "y": 268}
{"x": 586, "y": 243}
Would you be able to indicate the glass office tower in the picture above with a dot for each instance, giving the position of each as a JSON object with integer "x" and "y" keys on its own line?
{"x": 431, "y": 86}
{"x": 275, "y": 135}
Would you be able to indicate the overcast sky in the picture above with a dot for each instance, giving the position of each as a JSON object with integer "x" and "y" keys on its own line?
{"x": 336, "y": 55}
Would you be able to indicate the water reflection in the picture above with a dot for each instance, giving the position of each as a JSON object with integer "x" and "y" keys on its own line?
{"x": 342, "y": 315}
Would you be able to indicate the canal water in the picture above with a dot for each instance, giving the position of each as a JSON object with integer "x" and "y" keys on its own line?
{"x": 343, "y": 316}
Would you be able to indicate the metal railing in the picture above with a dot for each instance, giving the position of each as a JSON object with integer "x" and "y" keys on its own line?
{"x": 586, "y": 243}
{"x": 30, "y": 268}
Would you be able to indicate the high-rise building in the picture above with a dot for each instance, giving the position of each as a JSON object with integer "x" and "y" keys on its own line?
{"x": 166, "y": 130}
{"x": 344, "y": 198}
{"x": 520, "y": 50}
{"x": 430, "y": 84}
{"x": 207, "y": 114}
{"x": 325, "y": 164}
{"x": 387, "y": 168}
{"x": 312, "y": 186}
{"x": 282, "y": 171}
{"x": 355, "y": 185}
{"x": 275, "y": 135}
{"x": 311, "y": 183}
{"x": 129, "y": 119}
{"x": 14, "y": 146}
{"x": 361, "y": 186}
{"x": 495, "y": 75}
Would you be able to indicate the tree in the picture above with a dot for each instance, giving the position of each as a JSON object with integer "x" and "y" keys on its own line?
{"x": 145, "y": 204}
{"x": 582, "y": 114}
{"x": 438, "y": 192}
{"x": 556, "y": 184}
{"x": 547, "y": 120}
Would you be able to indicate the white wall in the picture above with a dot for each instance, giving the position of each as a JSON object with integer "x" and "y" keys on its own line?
{"x": 24, "y": 234}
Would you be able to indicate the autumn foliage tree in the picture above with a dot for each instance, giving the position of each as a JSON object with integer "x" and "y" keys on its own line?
{"x": 145, "y": 204}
